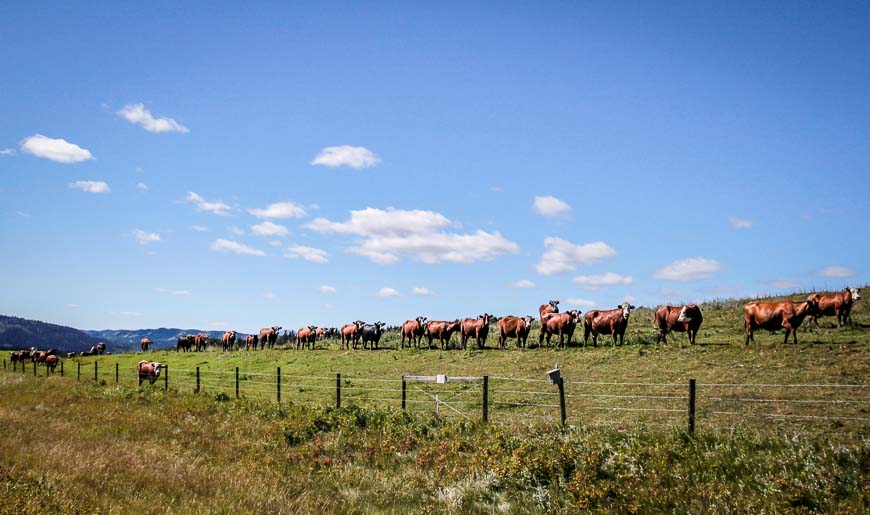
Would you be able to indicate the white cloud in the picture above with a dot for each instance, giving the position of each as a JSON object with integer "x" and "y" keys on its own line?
{"x": 268, "y": 228}
{"x": 423, "y": 291}
{"x": 58, "y": 150}
{"x": 142, "y": 186}
{"x": 550, "y": 206}
{"x": 137, "y": 114}
{"x": 691, "y": 269}
{"x": 23, "y": 214}
{"x": 90, "y": 186}
{"x": 522, "y": 283}
{"x": 172, "y": 292}
{"x": 280, "y": 210}
{"x": 222, "y": 245}
{"x": 144, "y": 238}
{"x": 782, "y": 284}
{"x": 7, "y": 152}
{"x": 130, "y": 313}
{"x": 238, "y": 231}
{"x": 563, "y": 256}
{"x": 73, "y": 306}
{"x": 268, "y": 295}
{"x": 310, "y": 254}
{"x": 596, "y": 282}
{"x": 218, "y": 208}
{"x": 739, "y": 223}
{"x": 275, "y": 243}
{"x": 346, "y": 155}
{"x": 389, "y": 234}
{"x": 324, "y": 288}
{"x": 836, "y": 271}
{"x": 582, "y": 303}
{"x": 199, "y": 228}
{"x": 388, "y": 292}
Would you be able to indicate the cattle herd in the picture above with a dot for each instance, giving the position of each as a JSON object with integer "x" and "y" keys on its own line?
{"x": 761, "y": 315}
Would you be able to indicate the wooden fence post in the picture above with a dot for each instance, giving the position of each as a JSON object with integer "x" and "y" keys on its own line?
{"x": 197, "y": 379}
{"x": 116, "y": 372}
{"x": 61, "y": 369}
{"x": 486, "y": 398}
{"x": 34, "y": 369}
{"x": 46, "y": 370}
{"x": 278, "y": 385}
{"x": 79, "y": 373}
{"x": 96, "y": 367}
{"x": 4, "y": 364}
{"x": 166, "y": 378}
{"x": 692, "y": 406}
{"x": 404, "y": 392}
{"x": 337, "y": 390}
{"x": 237, "y": 382}
{"x": 563, "y": 412}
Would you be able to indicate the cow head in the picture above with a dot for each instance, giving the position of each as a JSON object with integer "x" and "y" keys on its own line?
{"x": 312, "y": 328}
{"x": 276, "y": 328}
{"x": 422, "y": 321}
{"x": 575, "y": 314}
{"x": 683, "y": 317}
{"x": 555, "y": 305}
{"x": 529, "y": 319}
{"x": 380, "y": 325}
{"x": 812, "y": 307}
{"x": 626, "y": 309}
{"x": 485, "y": 317}
{"x": 856, "y": 293}
{"x": 359, "y": 323}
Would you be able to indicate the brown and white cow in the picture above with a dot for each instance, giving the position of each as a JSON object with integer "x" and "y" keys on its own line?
{"x": 612, "y": 322}
{"x": 477, "y": 328}
{"x": 350, "y": 334}
{"x": 442, "y": 330}
{"x": 148, "y": 371}
{"x": 269, "y": 336}
{"x": 773, "y": 316}
{"x": 51, "y": 361}
{"x": 306, "y": 335}
{"x": 550, "y": 307}
{"x": 251, "y": 341}
{"x": 836, "y": 304}
{"x": 413, "y": 330}
{"x": 228, "y": 341}
{"x": 514, "y": 327}
{"x": 561, "y": 324}
{"x": 682, "y": 319}
{"x": 145, "y": 343}
{"x": 200, "y": 341}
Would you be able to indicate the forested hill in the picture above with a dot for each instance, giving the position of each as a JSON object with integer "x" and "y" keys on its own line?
{"x": 128, "y": 339}
{"x": 18, "y": 333}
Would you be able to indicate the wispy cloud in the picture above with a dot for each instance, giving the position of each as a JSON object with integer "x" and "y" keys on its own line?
{"x": 522, "y": 284}
{"x": 138, "y": 115}
{"x": 141, "y": 186}
{"x": 550, "y": 206}
{"x": 739, "y": 223}
{"x": 326, "y": 289}
{"x": 144, "y": 238}
{"x": 90, "y": 186}
{"x": 781, "y": 284}
{"x": 172, "y": 292}
{"x": 346, "y": 155}
{"x": 58, "y": 150}
{"x": 268, "y": 228}
{"x": 563, "y": 256}
{"x": 199, "y": 228}
{"x": 268, "y": 295}
{"x": 581, "y": 303}
{"x": 218, "y": 208}
{"x": 280, "y": 210}
{"x": 596, "y": 282}
{"x": 388, "y": 292}
{"x": 422, "y": 291}
{"x": 686, "y": 270}
{"x": 23, "y": 214}
{"x": 7, "y": 152}
{"x": 73, "y": 306}
{"x": 222, "y": 245}
{"x": 238, "y": 231}
{"x": 309, "y": 254}
{"x": 836, "y": 271}
{"x": 130, "y": 313}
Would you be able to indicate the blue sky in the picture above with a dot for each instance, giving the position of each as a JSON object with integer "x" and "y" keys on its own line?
{"x": 493, "y": 157}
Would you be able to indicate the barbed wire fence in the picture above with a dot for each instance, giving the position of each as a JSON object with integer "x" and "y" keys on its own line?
{"x": 833, "y": 410}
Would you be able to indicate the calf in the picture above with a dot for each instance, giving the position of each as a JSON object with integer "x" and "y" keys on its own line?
{"x": 613, "y": 322}
{"x": 477, "y": 328}
{"x": 562, "y": 324}
{"x": 680, "y": 319}
{"x": 773, "y": 316}
{"x": 228, "y": 341}
{"x": 443, "y": 331}
{"x": 350, "y": 334}
{"x": 148, "y": 370}
{"x": 306, "y": 335}
{"x": 835, "y": 304}
{"x": 413, "y": 330}
{"x": 371, "y": 333}
{"x": 251, "y": 341}
{"x": 514, "y": 327}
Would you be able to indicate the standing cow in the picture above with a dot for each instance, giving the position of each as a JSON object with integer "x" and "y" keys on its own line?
{"x": 306, "y": 335}
{"x": 550, "y": 307}
{"x": 773, "y": 316}
{"x": 442, "y": 330}
{"x": 514, "y": 327}
{"x": 269, "y": 336}
{"x": 51, "y": 362}
{"x": 228, "y": 341}
{"x": 561, "y": 324}
{"x": 612, "y": 322}
{"x": 371, "y": 333}
{"x": 145, "y": 343}
{"x": 200, "y": 341}
{"x": 477, "y": 328}
{"x": 413, "y": 330}
{"x": 350, "y": 334}
{"x": 101, "y": 348}
{"x": 680, "y": 319}
{"x": 184, "y": 343}
{"x": 835, "y": 304}
{"x": 251, "y": 341}
{"x": 148, "y": 371}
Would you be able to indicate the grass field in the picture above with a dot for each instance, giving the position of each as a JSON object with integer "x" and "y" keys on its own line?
{"x": 85, "y": 445}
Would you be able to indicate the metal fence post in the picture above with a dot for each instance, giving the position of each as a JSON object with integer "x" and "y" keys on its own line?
{"x": 692, "y": 406}
{"x": 337, "y": 390}
{"x": 486, "y": 398}
{"x": 197, "y": 379}
{"x": 404, "y": 392}
{"x": 116, "y": 372}
{"x": 563, "y": 412}
{"x": 166, "y": 378}
{"x": 237, "y": 382}
{"x": 278, "y": 385}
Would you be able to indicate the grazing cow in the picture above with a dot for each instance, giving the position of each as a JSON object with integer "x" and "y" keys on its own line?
{"x": 251, "y": 341}
{"x": 350, "y": 334}
{"x": 561, "y": 324}
{"x": 413, "y": 330}
{"x": 773, "y": 316}
{"x": 306, "y": 335}
{"x": 514, "y": 327}
{"x": 443, "y": 331}
{"x": 148, "y": 370}
{"x": 269, "y": 336}
{"x": 51, "y": 361}
{"x": 371, "y": 333}
{"x": 681, "y": 319}
{"x": 70, "y": 354}
{"x": 836, "y": 304}
{"x": 228, "y": 341}
{"x": 101, "y": 348}
{"x": 184, "y": 343}
{"x": 477, "y": 328}
{"x": 612, "y": 322}
{"x": 145, "y": 343}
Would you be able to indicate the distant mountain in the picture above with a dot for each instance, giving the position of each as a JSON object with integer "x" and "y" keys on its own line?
{"x": 19, "y": 333}
{"x": 128, "y": 339}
